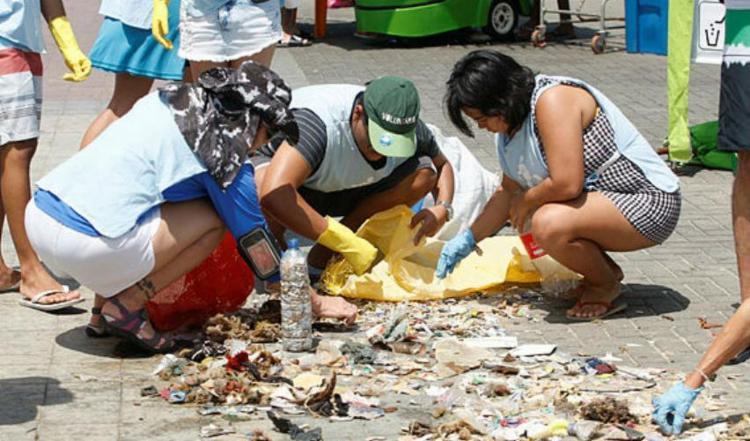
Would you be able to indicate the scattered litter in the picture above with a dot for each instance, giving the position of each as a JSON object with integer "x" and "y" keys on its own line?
{"x": 492, "y": 342}
{"x": 455, "y": 359}
{"x": 705, "y": 324}
{"x": 284, "y": 425}
{"x": 533, "y": 350}
{"x": 149, "y": 391}
{"x": 213, "y": 430}
{"x": 607, "y": 410}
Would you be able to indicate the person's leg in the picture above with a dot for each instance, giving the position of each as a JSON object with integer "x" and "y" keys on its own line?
{"x": 188, "y": 232}
{"x": 577, "y": 234}
{"x": 8, "y": 276}
{"x": 741, "y": 221}
{"x": 565, "y": 29}
{"x": 15, "y": 189}
{"x": 408, "y": 191}
{"x": 263, "y": 58}
{"x": 128, "y": 89}
{"x": 322, "y": 306}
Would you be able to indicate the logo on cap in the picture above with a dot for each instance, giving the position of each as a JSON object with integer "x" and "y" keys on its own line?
{"x": 386, "y": 140}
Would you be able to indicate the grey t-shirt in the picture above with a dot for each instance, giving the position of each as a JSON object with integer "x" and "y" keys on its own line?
{"x": 313, "y": 140}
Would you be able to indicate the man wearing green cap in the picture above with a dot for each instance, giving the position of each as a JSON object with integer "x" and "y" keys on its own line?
{"x": 360, "y": 151}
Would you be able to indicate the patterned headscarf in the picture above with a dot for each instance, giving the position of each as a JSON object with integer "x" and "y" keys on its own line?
{"x": 220, "y": 114}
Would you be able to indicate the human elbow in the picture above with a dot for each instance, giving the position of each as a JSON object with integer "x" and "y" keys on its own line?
{"x": 275, "y": 200}
{"x": 570, "y": 190}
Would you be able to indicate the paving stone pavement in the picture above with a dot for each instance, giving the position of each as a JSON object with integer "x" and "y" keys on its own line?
{"x": 45, "y": 358}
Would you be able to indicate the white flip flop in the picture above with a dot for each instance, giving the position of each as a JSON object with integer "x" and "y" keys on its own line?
{"x": 33, "y": 303}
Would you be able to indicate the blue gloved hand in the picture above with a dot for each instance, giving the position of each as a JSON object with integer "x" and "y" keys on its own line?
{"x": 670, "y": 409}
{"x": 454, "y": 251}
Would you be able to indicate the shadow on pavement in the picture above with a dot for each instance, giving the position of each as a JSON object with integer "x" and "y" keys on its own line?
{"x": 341, "y": 34}
{"x": 20, "y": 398}
{"x": 643, "y": 301}
{"x": 110, "y": 347}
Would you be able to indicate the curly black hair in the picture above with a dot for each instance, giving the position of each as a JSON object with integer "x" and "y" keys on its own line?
{"x": 493, "y": 83}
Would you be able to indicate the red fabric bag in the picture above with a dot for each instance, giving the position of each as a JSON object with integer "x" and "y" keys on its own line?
{"x": 220, "y": 284}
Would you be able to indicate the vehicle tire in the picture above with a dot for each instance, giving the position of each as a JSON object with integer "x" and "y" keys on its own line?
{"x": 598, "y": 44}
{"x": 502, "y": 19}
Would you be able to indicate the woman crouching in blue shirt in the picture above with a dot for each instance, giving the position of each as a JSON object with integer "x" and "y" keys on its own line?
{"x": 575, "y": 170}
{"x": 150, "y": 198}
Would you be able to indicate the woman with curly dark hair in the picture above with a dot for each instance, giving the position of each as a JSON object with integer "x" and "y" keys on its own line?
{"x": 577, "y": 173}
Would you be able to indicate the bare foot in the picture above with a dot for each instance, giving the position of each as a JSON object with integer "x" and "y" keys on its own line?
{"x": 583, "y": 286}
{"x": 333, "y": 307}
{"x": 594, "y": 301}
{"x": 36, "y": 279}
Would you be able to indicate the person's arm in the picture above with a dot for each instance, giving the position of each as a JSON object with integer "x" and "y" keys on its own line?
{"x": 559, "y": 115}
{"x": 279, "y": 197}
{"x": 433, "y": 218}
{"x": 733, "y": 338}
{"x": 497, "y": 210}
{"x": 54, "y": 13}
{"x": 493, "y": 217}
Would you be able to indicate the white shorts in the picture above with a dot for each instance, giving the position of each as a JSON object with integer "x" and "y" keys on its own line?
{"x": 235, "y": 30}
{"x": 106, "y": 266}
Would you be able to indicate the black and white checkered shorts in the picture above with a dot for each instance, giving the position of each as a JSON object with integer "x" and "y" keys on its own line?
{"x": 652, "y": 212}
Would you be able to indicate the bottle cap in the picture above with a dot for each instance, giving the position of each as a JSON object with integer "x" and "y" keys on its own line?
{"x": 293, "y": 243}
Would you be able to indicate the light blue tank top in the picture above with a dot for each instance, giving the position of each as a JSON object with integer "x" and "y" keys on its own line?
{"x": 126, "y": 170}
{"x": 521, "y": 156}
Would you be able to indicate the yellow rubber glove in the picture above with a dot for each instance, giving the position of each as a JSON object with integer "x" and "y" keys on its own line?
{"x": 74, "y": 58}
{"x": 357, "y": 251}
{"x": 160, "y": 23}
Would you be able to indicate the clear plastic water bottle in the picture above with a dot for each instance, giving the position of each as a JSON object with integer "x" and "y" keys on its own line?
{"x": 296, "y": 309}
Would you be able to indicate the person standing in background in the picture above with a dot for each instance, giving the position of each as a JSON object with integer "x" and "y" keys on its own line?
{"x": 291, "y": 35}
{"x": 732, "y": 345}
{"x": 226, "y": 33}
{"x": 125, "y": 46}
{"x": 21, "y": 46}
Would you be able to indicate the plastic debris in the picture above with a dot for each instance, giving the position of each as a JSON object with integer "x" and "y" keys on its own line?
{"x": 213, "y": 430}
{"x": 149, "y": 391}
{"x": 284, "y": 425}
{"x": 492, "y": 342}
{"x": 533, "y": 350}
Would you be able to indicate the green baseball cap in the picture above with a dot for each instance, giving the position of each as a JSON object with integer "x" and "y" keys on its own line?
{"x": 392, "y": 107}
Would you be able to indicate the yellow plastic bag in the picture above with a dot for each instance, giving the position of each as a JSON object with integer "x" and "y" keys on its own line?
{"x": 407, "y": 272}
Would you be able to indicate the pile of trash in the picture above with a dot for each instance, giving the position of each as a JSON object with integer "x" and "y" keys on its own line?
{"x": 455, "y": 356}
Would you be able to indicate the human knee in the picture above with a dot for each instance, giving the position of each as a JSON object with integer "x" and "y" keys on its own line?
{"x": 21, "y": 151}
{"x": 549, "y": 226}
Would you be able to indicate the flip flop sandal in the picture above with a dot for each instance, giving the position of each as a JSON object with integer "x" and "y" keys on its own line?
{"x": 294, "y": 41}
{"x": 612, "y": 309}
{"x": 33, "y": 303}
{"x": 96, "y": 331}
{"x": 130, "y": 324}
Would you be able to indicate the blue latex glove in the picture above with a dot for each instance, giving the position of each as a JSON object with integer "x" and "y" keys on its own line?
{"x": 454, "y": 251}
{"x": 670, "y": 409}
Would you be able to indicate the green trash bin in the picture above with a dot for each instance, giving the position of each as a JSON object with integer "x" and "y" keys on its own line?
{"x": 422, "y": 18}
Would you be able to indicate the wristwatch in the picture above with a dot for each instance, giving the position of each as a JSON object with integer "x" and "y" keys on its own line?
{"x": 448, "y": 208}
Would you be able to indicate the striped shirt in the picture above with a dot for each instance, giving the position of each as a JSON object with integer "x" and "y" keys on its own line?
{"x": 313, "y": 140}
